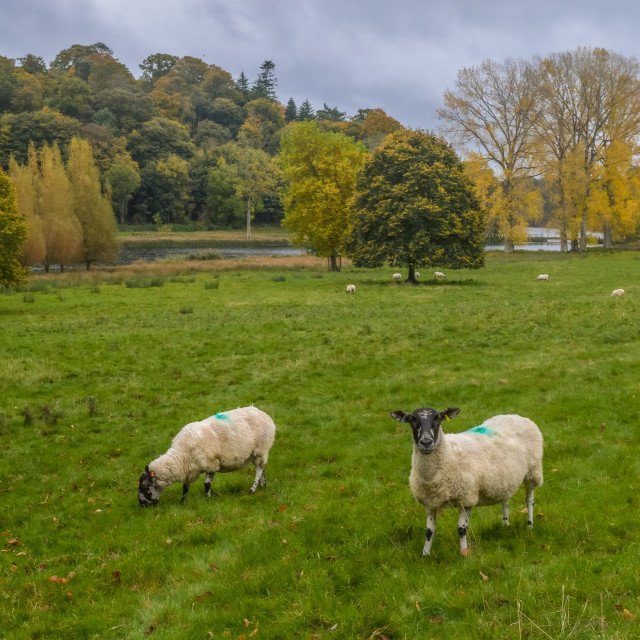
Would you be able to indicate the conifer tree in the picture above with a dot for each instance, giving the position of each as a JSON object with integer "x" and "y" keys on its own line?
{"x": 305, "y": 112}
{"x": 291, "y": 111}
{"x": 265, "y": 84}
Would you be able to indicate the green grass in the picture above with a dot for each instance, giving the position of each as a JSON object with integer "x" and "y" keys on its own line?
{"x": 96, "y": 378}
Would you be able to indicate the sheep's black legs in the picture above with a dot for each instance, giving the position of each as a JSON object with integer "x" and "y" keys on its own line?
{"x": 185, "y": 490}
{"x": 431, "y": 530}
{"x": 260, "y": 479}
{"x": 207, "y": 483}
{"x": 463, "y": 525}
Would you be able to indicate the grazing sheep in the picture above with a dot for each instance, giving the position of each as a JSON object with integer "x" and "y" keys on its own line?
{"x": 482, "y": 466}
{"x": 416, "y": 275}
{"x": 439, "y": 274}
{"x": 351, "y": 288}
{"x": 397, "y": 276}
{"x": 224, "y": 442}
{"x": 618, "y": 292}
{"x": 543, "y": 276}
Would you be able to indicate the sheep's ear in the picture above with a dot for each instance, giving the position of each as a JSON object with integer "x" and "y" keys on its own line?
{"x": 400, "y": 416}
{"x": 146, "y": 468}
{"x": 451, "y": 413}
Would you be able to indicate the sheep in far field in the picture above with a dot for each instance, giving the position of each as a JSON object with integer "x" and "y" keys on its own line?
{"x": 351, "y": 288}
{"x": 397, "y": 276}
{"x": 224, "y": 442}
{"x": 543, "y": 276}
{"x": 482, "y": 466}
{"x": 416, "y": 275}
{"x": 439, "y": 274}
{"x": 618, "y": 292}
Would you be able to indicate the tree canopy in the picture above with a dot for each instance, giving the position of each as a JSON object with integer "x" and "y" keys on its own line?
{"x": 415, "y": 207}
{"x": 13, "y": 233}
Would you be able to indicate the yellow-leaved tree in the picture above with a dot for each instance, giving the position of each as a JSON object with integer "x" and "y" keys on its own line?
{"x": 91, "y": 207}
{"x": 321, "y": 170}
{"x": 13, "y": 232}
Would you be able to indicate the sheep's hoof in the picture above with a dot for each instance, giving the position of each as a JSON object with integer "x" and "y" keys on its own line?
{"x": 252, "y": 490}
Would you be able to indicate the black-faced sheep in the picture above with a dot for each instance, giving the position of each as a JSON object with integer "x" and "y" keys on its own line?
{"x": 225, "y": 442}
{"x": 482, "y": 466}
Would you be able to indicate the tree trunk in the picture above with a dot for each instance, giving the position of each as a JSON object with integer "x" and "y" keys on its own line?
{"x": 249, "y": 219}
{"x": 412, "y": 274}
{"x": 564, "y": 243}
{"x": 583, "y": 234}
{"x": 606, "y": 233}
{"x": 333, "y": 263}
{"x": 508, "y": 244}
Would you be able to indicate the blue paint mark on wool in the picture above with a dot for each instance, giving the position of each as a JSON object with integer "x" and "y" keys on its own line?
{"x": 482, "y": 430}
{"x": 221, "y": 416}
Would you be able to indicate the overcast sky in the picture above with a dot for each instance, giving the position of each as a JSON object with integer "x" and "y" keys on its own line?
{"x": 398, "y": 55}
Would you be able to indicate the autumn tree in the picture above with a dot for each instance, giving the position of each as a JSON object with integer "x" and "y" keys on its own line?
{"x": 415, "y": 207}
{"x": 320, "y": 170}
{"x": 61, "y": 229}
{"x": 494, "y": 107}
{"x": 155, "y": 66}
{"x": 13, "y": 233}
{"x": 91, "y": 207}
{"x": 25, "y": 179}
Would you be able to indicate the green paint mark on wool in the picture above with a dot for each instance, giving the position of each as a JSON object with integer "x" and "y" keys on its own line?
{"x": 485, "y": 431}
{"x": 221, "y": 416}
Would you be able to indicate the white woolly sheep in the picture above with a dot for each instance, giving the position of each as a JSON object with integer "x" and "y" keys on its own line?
{"x": 439, "y": 274}
{"x": 225, "y": 442}
{"x": 482, "y": 466}
{"x": 618, "y": 292}
{"x": 543, "y": 276}
{"x": 416, "y": 275}
{"x": 351, "y": 288}
{"x": 397, "y": 276}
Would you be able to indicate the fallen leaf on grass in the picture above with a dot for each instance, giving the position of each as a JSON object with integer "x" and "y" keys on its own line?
{"x": 203, "y": 597}
{"x": 14, "y": 541}
{"x": 253, "y": 633}
{"x": 627, "y": 615}
{"x": 282, "y": 507}
{"x": 115, "y": 577}
{"x": 247, "y": 622}
{"x": 437, "y": 620}
{"x": 213, "y": 566}
{"x": 484, "y": 578}
{"x": 417, "y": 605}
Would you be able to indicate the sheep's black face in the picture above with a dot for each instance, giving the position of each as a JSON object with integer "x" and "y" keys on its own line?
{"x": 425, "y": 425}
{"x": 148, "y": 490}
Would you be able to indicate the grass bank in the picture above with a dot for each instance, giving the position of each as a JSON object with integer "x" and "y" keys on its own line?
{"x": 99, "y": 371}
{"x": 260, "y": 237}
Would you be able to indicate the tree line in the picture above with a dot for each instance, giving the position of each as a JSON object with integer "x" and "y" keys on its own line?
{"x": 179, "y": 145}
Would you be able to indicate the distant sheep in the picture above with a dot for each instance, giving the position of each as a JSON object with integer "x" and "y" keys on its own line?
{"x": 482, "y": 466}
{"x": 397, "y": 276}
{"x": 224, "y": 442}
{"x": 439, "y": 274}
{"x": 416, "y": 275}
{"x": 618, "y": 292}
{"x": 543, "y": 276}
{"x": 351, "y": 288}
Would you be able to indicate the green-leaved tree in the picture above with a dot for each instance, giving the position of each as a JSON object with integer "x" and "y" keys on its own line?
{"x": 415, "y": 207}
{"x": 13, "y": 233}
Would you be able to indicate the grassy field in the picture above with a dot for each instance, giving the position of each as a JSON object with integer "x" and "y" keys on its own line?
{"x": 99, "y": 370}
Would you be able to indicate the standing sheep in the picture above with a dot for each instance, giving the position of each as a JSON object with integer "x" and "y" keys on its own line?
{"x": 416, "y": 275}
{"x": 224, "y": 442}
{"x": 482, "y": 466}
{"x": 351, "y": 288}
{"x": 439, "y": 274}
{"x": 543, "y": 276}
{"x": 618, "y": 292}
{"x": 397, "y": 276}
